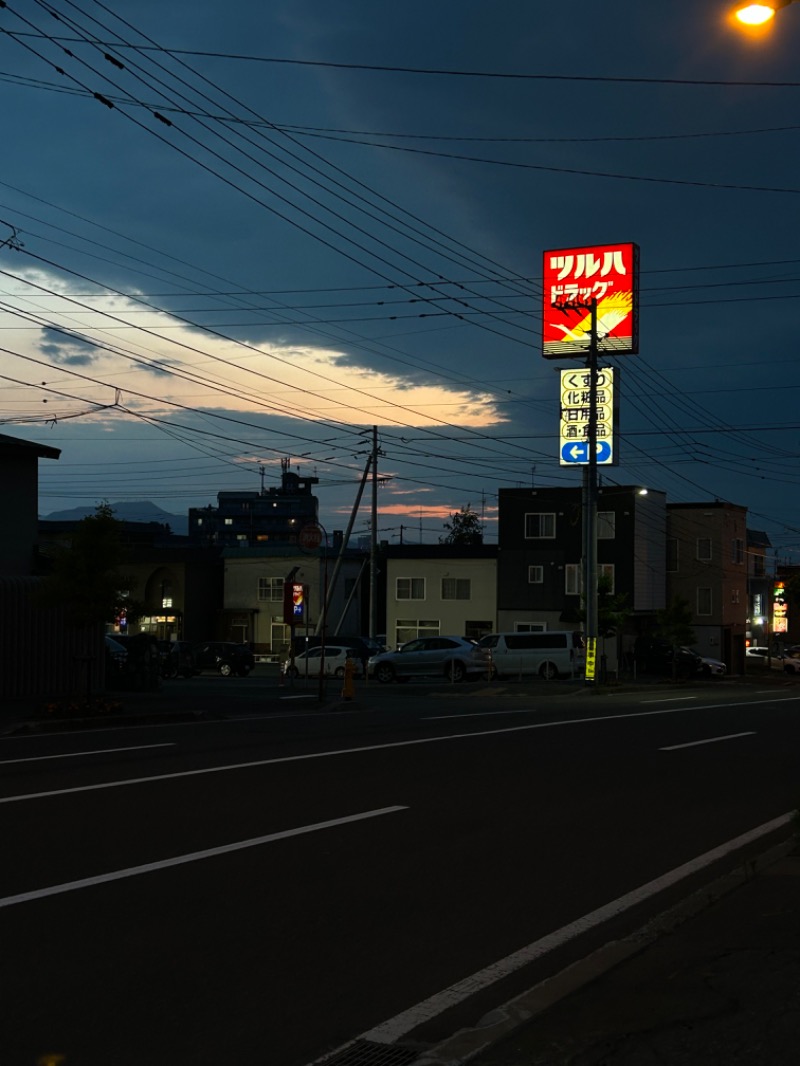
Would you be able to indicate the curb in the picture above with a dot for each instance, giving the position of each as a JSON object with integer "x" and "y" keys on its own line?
{"x": 501, "y": 1022}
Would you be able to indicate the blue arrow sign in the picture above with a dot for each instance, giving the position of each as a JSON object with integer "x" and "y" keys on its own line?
{"x": 577, "y": 451}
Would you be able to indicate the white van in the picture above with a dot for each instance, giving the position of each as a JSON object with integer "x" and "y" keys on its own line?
{"x": 548, "y": 654}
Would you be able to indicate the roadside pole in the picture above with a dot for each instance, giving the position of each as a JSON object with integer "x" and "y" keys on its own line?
{"x": 590, "y": 509}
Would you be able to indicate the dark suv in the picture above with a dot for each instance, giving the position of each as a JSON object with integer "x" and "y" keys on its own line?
{"x": 657, "y": 656}
{"x": 224, "y": 657}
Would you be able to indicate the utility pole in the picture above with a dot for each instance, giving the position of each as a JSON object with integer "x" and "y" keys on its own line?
{"x": 373, "y": 544}
{"x": 590, "y": 508}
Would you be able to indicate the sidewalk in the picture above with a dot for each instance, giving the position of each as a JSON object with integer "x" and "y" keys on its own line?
{"x": 722, "y": 988}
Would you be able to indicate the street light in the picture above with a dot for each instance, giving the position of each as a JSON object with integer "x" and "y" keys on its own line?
{"x": 759, "y": 14}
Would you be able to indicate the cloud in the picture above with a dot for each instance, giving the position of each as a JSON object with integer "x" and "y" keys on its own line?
{"x": 67, "y": 349}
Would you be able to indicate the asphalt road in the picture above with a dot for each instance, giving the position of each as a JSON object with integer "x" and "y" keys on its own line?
{"x": 268, "y": 887}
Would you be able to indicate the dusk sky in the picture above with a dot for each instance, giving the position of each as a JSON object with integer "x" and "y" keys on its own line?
{"x": 300, "y": 219}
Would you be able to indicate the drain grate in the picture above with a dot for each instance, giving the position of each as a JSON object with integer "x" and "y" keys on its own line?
{"x": 368, "y": 1053}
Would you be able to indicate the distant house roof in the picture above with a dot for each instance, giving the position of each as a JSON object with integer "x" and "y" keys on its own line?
{"x": 10, "y": 445}
{"x": 757, "y": 539}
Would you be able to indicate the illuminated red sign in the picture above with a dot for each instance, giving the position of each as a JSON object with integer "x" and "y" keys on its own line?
{"x": 574, "y": 277}
{"x": 294, "y": 603}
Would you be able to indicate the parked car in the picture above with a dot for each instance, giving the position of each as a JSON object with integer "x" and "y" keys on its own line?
{"x": 308, "y": 663}
{"x": 141, "y": 668}
{"x": 791, "y": 664}
{"x": 363, "y": 647}
{"x": 224, "y": 657}
{"x": 656, "y": 655}
{"x": 115, "y": 652}
{"x": 757, "y": 653}
{"x": 712, "y": 667}
{"x": 454, "y": 658}
{"x": 177, "y": 658}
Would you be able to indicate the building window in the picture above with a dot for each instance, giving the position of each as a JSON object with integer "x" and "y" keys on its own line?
{"x": 606, "y": 570}
{"x": 540, "y": 525}
{"x": 535, "y": 575}
{"x": 270, "y": 588}
{"x": 734, "y": 595}
{"x": 573, "y": 579}
{"x": 672, "y": 555}
{"x": 606, "y": 525}
{"x": 228, "y": 521}
{"x": 410, "y": 588}
{"x": 410, "y": 628}
{"x": 737, "y": 550}
{"x": 704, "y": 601}
{"x": 529, "y": 627}
{"x": 456, "y": 588}
{"x": 476, "y": 630}
{"x": 704, "y": 549}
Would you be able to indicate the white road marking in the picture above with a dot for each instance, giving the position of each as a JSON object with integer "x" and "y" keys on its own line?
{"x": 402, "y": 1024}
{"x": 75, "y": 754}
{"x": 708, "y": 740}
{"x": 254, "y": 764}
{"x": 669, "y": 699}
{"x": 195, "y": 856}
{"x": 476, "y": 714}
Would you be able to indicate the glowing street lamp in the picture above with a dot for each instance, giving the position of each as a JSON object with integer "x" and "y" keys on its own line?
{"x": 759, "y": 14}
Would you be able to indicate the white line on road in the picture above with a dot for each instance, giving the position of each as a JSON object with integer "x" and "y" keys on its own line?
{"x": 256, "y": 763}
{"x": 194, "y": 856}
{"x": 477, "y": 714}
{"x": 708, "y": 740}
{"x": 75, "y": 754}
{"x": 669, "y": 699}
{"x": 402, "y": 1024}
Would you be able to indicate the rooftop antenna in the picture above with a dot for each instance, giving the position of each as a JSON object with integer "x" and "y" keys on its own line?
{"x": 262, "y": 470}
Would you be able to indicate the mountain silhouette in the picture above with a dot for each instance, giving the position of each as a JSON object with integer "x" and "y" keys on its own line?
{"x": 127, "y": 511}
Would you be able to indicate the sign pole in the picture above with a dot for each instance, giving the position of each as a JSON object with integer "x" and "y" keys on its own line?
{"x": 590, "y": 508}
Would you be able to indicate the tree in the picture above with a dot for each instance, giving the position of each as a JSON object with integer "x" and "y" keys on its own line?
{"x": 674, "y": 625}
{"x": 464, "y": 528}
{"x": 87, "y": 574}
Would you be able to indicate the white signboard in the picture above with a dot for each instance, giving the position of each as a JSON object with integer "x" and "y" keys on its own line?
{"x": 575, "y": 411}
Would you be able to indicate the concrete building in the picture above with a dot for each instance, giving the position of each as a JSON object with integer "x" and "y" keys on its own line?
{"x": 252, "y": 608}
{"x": 439, "y": 589}
{"x": 707, "y": 566}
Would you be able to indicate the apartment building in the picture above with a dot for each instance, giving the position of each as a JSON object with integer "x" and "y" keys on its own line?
{"x": 707, "y": 565}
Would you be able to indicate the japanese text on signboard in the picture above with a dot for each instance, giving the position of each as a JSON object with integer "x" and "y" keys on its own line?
{"x": 573, "y": 278}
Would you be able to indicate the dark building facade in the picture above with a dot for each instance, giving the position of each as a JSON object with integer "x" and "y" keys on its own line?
{"x": 540, "y": 568}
